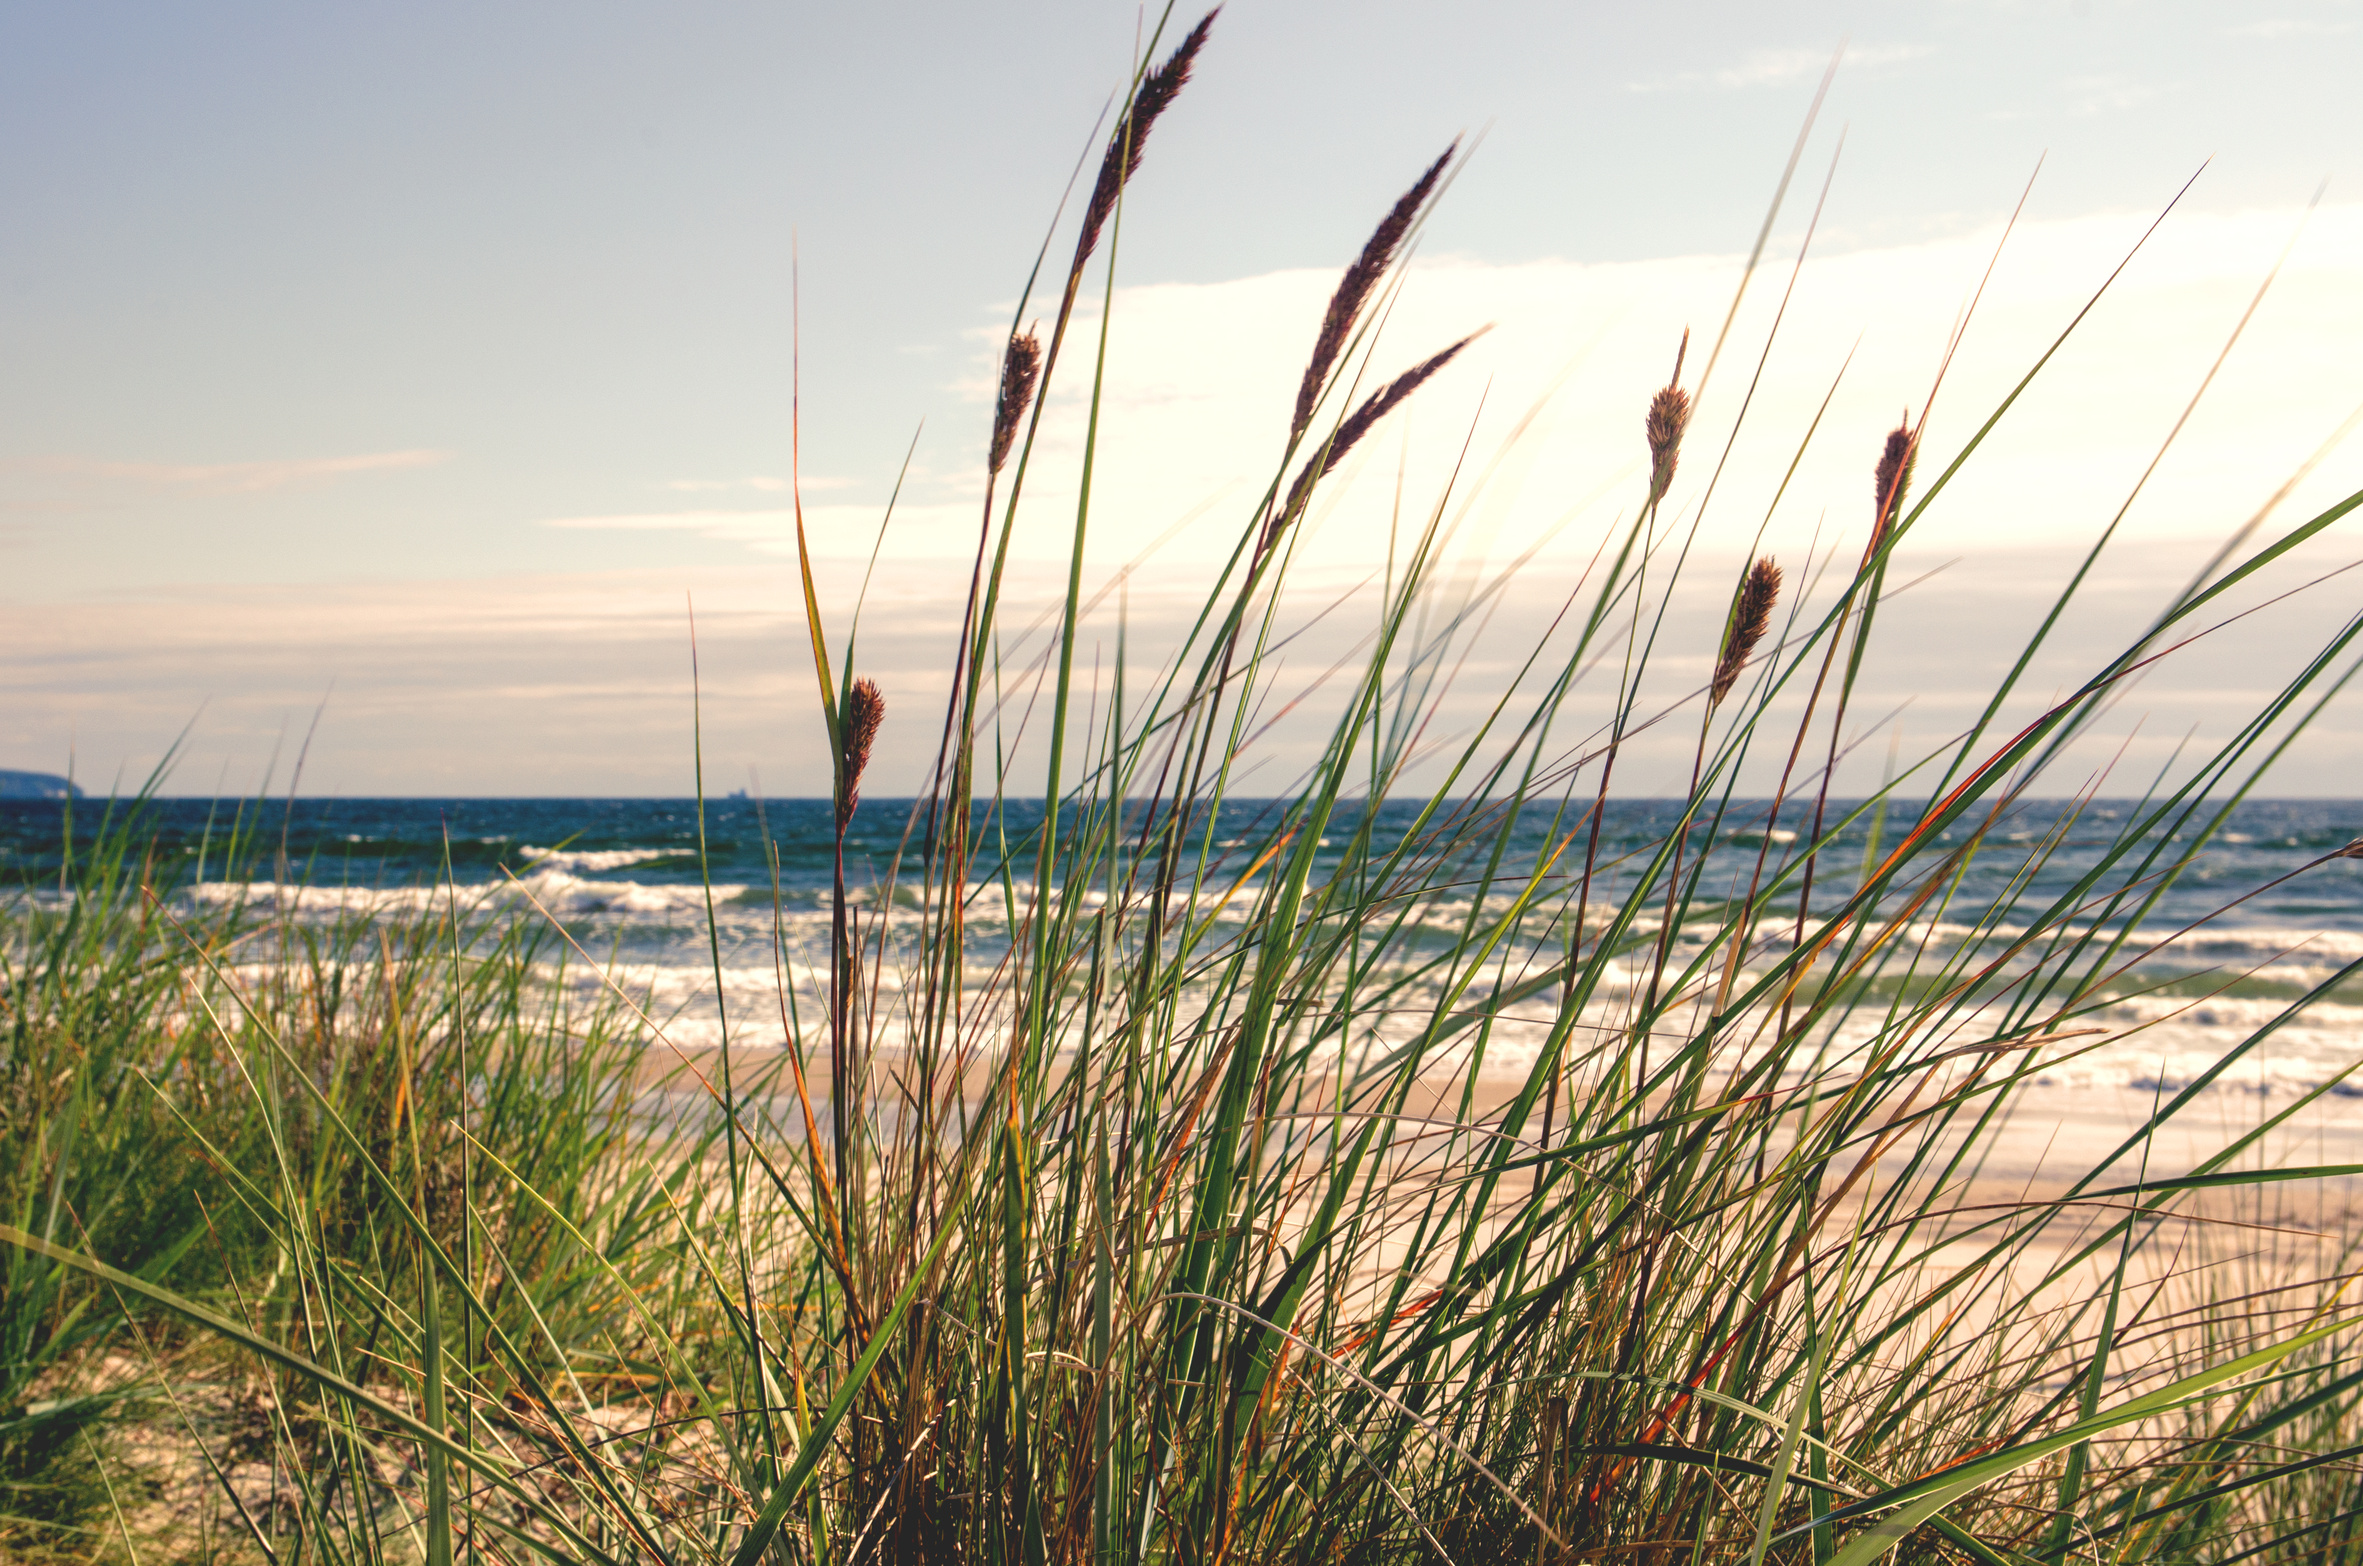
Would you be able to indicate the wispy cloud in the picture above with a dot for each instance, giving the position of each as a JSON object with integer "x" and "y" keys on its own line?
{"x": 2288, "y": 27}
{"x": 500, "y": 684}
{"x": 241, "y": 478}
{"x": 762, "y": 482}
{"x": 2089, "y": 95}
{"x": 836, "y": 529}
{"x": 1772, "y": 67}
{"x": 2085, "y": 97}
{"x": 745, "y": 527}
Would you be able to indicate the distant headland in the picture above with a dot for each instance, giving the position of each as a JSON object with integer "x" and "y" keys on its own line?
{"x": 37, "y": 785}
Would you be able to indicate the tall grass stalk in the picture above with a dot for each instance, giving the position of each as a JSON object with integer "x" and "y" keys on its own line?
{"x": 1171, "y": 1201}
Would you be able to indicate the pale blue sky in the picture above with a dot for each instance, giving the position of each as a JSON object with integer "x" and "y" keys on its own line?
{"x": 299, "y": 303}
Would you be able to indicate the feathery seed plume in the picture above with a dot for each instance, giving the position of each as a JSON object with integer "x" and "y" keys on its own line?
{"x": 1669, "y": 416}
{"x": 1122, "y": 160}
{"x": 1751, "y": 617}
{"x": 1894, "y": 475}
{"x": 1374, "y": 408}
{"x": 1354, "y": 289}
{"x": 858, "y": 729}
{"x": 1020, "y": 368}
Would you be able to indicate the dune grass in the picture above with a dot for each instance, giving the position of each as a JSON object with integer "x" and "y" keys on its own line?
{"x": 1139, "y": 1189}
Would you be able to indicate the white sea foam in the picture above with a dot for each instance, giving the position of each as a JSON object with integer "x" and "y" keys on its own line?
{"x": 593, "y": 859}
{"x": 560, "y": 892}
{"x": 2155, "y": 1042}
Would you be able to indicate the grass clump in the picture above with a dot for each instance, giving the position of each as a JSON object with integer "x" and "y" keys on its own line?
{"x": 1370, "y": 1173}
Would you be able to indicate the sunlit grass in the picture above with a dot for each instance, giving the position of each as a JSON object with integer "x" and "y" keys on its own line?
{"x": 1147, "y": 1181}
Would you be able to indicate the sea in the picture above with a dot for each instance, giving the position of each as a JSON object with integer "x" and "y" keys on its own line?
{"x": 658, "y": 895}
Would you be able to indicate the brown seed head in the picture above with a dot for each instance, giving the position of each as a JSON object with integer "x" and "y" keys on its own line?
{"x": 857, "y": 729}
{"x": 1122, "y": 159}
{"x": 1374, "y": 408}
{"x": 1893, "y": 476}
{"x": 1354, "y": 289}
{"x": 1751, "y": 617}
{"x": 1021, "y": 367}
{"x": 1669, "y": 416}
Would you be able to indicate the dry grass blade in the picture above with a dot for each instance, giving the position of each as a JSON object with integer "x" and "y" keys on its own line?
{"x": 1354, "y": 289}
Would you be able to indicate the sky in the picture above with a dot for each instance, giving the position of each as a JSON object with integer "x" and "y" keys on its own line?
{"x": 404, "y": 376}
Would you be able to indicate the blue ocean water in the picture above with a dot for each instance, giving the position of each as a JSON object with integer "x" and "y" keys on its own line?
{"x": 631, "y": 844}
{"x": 632, "y": 880}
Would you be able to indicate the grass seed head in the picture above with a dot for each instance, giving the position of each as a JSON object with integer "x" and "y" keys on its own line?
{"x": 1021, "y": 367}
{"x": 1355, "y": 288}
{"x": 858, "y": 729}
{"x": 1122, "y": 159}
{"x": 1894, "y": 474}
{"x": 1669, "y": 416}
{"x": 1751, "y": 617}
{"x": 1374, "y": 408}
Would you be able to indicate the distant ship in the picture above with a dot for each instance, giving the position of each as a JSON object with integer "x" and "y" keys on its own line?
{"x": 37, "y": 785}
